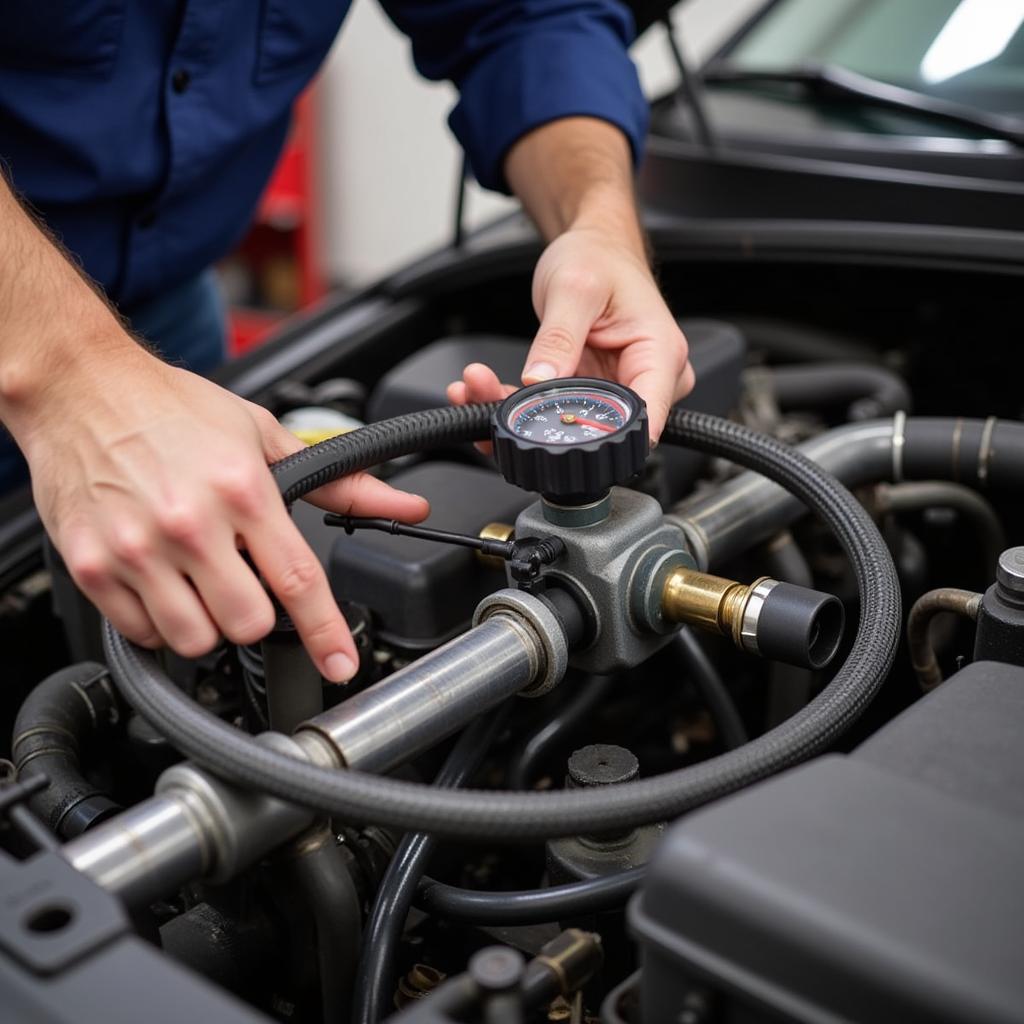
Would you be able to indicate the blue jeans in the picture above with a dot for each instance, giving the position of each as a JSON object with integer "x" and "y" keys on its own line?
{"x": 188, "y": 325}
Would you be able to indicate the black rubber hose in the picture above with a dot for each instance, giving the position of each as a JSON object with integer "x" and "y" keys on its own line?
{"x": 698, "y": 669}
{"x": 919, "y": 622}
{"x": 329, "y": 892}
{"x": 791, "y": 342}
{"x": 529, "y": 906}
{"x": 375, "y": 980}
{"x": 980, "y": 453}
{"x": 869, "y": 391}
{"x": 974, "y": 507}
{"x": 234, "y": 755}
{"x": 783, "y": 560}
{"x": 592, "y": 690}
{"x": 57, "y": 720}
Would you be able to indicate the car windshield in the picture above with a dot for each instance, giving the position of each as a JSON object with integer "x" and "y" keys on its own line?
{"x": 971, "y": 51}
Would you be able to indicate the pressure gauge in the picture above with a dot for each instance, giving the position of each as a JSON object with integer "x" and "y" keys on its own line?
{"x": 571, "y": 439}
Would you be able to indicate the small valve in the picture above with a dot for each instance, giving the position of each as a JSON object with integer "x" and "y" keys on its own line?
{"x": 526, "y": 556}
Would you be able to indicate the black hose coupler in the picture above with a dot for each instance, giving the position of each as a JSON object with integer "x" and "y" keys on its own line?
{"x": 799, "y": 626}
{"x": 781, "y": 621}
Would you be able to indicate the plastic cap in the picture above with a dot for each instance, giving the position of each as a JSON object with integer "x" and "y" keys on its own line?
{"x": 800, "y": 626}
{"x": 602, "y": 764}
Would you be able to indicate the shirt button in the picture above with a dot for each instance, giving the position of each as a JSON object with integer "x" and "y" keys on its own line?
{"x": 180, "y": 80}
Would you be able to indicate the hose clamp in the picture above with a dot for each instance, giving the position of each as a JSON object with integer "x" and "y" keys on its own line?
{"x": 541, "y": 630}
{"x": 235, "y": 827}
{"x": 759, "y": 592}
{"x": 985, "y": 450}
{"x": 899, "y": 440}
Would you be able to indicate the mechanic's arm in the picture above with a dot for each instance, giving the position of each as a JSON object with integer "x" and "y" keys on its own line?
{"x": 551, "y": 106}
{"x": 150, "y": 479}
{"x": 600, "y": 311}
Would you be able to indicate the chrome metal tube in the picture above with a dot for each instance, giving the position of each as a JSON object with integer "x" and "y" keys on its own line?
{"x": 144, "y": 852}
{"x": 749, "y": 508}
{"x": 197, "y": 825}
{"x": 430, "y": 699}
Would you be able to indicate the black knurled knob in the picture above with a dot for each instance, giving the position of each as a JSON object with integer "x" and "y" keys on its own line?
{"x": 572, "y": 473}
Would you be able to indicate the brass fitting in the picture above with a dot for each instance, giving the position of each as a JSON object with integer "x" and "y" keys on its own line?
{"x": 712, "y": 603}
{"x": 774, "y": 620}
{"x": 494, "y": 531}
{"x": 417, "y": 984}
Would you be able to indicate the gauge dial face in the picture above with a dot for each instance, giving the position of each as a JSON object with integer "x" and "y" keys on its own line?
{"x": 569, "y": 415}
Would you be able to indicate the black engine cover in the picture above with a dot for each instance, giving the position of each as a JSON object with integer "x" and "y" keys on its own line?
{"x": 883, "y": 886}
{"x": 422, "y": 593}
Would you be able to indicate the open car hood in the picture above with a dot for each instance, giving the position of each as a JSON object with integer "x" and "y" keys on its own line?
{"x": 647, "y": 12}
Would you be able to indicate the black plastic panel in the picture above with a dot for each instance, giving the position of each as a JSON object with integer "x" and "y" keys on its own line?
{"x": 883, "y": 886}
{"x": 717, "y": 352}
{"x": 68, "y": 956}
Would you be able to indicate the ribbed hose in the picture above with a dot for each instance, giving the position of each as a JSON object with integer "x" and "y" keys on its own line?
{"x": 234, "y": 755}
{"x": 69, "y": 711}
{"x": 371, "y": 445}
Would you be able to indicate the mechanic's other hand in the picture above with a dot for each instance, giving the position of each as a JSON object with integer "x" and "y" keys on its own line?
{"x": 602, "y": 315}
{"x": 479, "y": 384}
{"x": 153, "y": 482}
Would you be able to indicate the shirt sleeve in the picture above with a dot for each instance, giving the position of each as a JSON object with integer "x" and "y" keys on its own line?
{"x": 521, "y": 63}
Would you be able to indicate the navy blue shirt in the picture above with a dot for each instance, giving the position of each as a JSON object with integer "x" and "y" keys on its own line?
{"x": 144, "y": 131}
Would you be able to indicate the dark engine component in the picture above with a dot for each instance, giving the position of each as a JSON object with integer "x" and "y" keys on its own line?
{"x": 424, "y": 593}
{"x": 717, "y": 354}
{"x": 1001, "y": 615}
{"x": 839, "y": 890}
{"x": 717, "y": 351}
{"x": 280, "y": 840}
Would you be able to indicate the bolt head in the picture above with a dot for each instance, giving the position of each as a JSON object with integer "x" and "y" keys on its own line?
{"x": 497, "y": 968}
{"x": 1010, "y": 571}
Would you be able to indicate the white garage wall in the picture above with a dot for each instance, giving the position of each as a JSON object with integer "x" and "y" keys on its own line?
{"x": 388, "y": 161}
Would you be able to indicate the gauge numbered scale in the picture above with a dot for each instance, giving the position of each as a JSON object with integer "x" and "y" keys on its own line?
{"x": 571, "y": 439}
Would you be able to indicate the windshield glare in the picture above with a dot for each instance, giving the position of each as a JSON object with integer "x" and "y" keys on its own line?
{"x": 971, "y": 51}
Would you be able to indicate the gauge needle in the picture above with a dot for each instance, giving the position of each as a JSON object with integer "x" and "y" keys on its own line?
{"x": 606, "y": 427}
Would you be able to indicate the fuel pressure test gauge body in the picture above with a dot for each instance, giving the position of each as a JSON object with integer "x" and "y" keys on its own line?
{"x": 571, "y": 439}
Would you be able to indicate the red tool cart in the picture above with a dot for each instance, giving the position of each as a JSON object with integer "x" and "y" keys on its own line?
{"x": 278, "y": 269}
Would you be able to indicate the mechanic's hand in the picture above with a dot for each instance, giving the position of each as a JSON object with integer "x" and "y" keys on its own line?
{"x": 601, "y": 315}
{"x": 152, "y": 483}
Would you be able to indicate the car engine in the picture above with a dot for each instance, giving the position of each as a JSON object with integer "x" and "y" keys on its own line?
{"x": 726, "y": 731}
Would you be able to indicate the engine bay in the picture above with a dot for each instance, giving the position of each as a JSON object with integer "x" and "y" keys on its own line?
{"x": 724, "y": 731}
